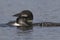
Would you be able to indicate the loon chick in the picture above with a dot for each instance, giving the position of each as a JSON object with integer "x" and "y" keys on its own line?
{"x": 24, "y": 18}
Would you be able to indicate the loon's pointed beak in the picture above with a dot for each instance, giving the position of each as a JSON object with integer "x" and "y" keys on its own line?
{"x": 16, "y": 15}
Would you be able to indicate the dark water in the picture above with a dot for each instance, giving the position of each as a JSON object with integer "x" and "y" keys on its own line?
{"x": 43, "y": 10}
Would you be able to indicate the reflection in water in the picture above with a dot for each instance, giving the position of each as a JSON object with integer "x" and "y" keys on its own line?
{"x": 25, "y": 28}
{"x": 24, "y": 35}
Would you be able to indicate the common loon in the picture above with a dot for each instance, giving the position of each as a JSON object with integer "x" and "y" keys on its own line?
{"x": 24, "y": 18}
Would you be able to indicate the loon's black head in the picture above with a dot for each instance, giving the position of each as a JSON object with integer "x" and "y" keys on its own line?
{"x": 25, "y": 13}
{"x": 24, "y": 18}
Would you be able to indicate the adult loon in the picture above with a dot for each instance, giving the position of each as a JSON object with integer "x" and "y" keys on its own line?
{"x": 24, "y": 18}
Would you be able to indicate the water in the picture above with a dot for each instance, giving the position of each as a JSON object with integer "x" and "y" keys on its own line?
{"x": 43, "y": 10}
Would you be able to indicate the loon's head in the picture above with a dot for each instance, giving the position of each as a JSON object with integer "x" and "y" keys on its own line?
{"x": 24, "y": 13}
{"x": 24, "y": 18}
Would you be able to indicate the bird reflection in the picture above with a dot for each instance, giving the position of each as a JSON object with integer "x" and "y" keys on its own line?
{"x": 25, "y": 35}
{"x": 24, "y": 28}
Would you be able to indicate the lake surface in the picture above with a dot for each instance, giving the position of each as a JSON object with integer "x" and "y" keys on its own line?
{"x": 43, "y": 11}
